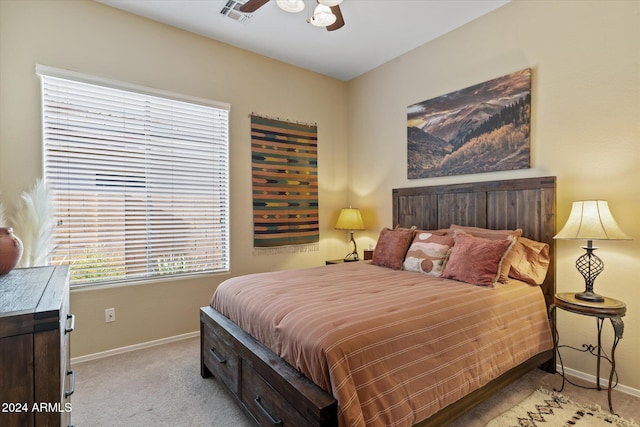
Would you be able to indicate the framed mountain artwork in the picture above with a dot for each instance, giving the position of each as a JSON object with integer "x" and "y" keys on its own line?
{"x": 483, "y": 128}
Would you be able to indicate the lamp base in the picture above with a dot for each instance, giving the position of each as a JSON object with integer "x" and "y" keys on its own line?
{"x": 589, "y": 296}
{"x": 589, "y": 265}
{"x": 353, "y": 256}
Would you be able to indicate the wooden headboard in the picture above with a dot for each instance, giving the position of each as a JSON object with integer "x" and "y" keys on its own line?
{"x": 528, "y": 203}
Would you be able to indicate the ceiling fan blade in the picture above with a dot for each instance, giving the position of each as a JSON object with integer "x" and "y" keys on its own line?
{"x": 339, "y": 19}
{"x": 252, "y": 5}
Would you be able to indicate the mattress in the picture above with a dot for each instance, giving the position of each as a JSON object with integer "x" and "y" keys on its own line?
{"x": 393, "y": 347}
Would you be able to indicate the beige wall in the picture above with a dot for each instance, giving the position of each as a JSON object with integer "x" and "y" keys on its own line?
{"x": 91, "y": 38}
{"x": 585, "y": 57}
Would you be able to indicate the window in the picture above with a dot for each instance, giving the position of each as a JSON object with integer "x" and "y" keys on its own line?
{"x": 139, "y": 179}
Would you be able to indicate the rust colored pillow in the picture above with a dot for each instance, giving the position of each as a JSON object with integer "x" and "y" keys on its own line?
{"x": 486, "y": 233}
{"x": 428, "y": 252}
{"x": 529, "y": 261}
{"x": 391, "y": 247}
{"x": 476, "y": 260}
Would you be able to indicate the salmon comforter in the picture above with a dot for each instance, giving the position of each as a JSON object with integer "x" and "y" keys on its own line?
{"x": 392, "y": 347}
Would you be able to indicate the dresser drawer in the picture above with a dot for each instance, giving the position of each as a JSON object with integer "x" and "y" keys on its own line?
{"x": 219, "y": 356}
{"x": 267, "y": 405}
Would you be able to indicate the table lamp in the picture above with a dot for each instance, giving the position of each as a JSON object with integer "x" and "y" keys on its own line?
{"x": 350, "y": 219}
{"x": 590, "y": 220}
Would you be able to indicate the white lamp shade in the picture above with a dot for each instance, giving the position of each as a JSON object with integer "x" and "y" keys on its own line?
{"x": 330, "y": 3}
{"x": 322, "y": 16}
{"x": 350, "y": 219}
{"x": 293, "y": 6}
{"x": 591, "y": 220}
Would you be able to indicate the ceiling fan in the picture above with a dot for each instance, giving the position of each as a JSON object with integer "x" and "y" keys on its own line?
{"x": 326, "y": 14}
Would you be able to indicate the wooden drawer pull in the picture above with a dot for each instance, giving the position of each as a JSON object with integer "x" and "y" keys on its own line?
{"x": 73, "y": 384}
{"x": 266, "y": 413}
{"x": 216, "y": 356}
{"x": 72, "y": 323}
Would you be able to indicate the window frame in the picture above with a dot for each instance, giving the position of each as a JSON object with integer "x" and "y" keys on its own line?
{"x": 46, "y": 71}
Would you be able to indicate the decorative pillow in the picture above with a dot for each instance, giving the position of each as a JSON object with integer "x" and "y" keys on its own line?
{"x": 391, "y": 247}
{"x": 486, "y": 233}
{"x": 476, "y": 260}
{"x": 529, "y": 261}
{"x": 428, "y": 252}
{"x": 438, "y": 232}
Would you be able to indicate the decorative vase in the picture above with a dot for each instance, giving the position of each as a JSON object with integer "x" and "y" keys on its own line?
{"x": 10, "y": 250}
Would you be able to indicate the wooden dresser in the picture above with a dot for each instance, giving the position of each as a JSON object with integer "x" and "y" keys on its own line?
{"x": 35, "y": 380}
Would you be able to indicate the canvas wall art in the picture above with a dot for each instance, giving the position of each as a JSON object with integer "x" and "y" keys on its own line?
{"x": 483, "y": 128}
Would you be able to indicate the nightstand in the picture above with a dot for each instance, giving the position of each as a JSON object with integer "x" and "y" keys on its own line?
{"x": 611, "y": 309}
{"x": 338, "y": 261}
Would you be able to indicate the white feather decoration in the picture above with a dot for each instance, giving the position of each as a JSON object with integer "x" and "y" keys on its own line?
{"x": 33, "y": 223}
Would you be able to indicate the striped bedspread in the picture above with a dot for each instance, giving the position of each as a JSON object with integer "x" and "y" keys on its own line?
{"x": 393, "y": 347}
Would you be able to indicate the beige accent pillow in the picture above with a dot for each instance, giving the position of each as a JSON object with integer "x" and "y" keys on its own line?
{"x": 428, "y": 252}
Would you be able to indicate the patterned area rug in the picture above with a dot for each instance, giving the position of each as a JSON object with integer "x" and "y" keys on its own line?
{"x": 550, "y": 409}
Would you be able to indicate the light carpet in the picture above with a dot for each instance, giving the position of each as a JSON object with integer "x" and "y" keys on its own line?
{"x": 161, "y": 386}
{"x": 551, "y": 409}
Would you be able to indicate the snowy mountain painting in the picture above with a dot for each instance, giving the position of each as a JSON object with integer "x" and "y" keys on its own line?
{"x": 483, "y": 128}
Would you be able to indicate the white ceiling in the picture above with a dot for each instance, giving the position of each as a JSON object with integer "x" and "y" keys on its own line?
{"x": 375, "y": 31}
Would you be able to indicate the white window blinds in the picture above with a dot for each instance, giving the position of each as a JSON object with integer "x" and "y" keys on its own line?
{"x": 140, "y": 182}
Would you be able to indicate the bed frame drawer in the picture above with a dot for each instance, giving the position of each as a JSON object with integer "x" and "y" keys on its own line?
{"x": 268, "y": 406}
{"x": 284, "y": 394}
{"x": 220, "y": 357}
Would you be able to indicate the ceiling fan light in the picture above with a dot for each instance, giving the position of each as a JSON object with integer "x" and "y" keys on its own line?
{"x": 293, "y": 6}
{"x": 322, "y": 16}
{"x": 330, "y": 3}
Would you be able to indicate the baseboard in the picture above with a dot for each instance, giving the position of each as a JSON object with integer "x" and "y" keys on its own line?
{"x": 603, "y": 381}
{"x": 129, "y": 348}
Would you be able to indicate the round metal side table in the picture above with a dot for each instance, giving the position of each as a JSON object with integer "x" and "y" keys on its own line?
{"x": 611, "y": 309}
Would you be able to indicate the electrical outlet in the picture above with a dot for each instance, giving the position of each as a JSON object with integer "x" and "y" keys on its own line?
{"x": 110, "y": 315}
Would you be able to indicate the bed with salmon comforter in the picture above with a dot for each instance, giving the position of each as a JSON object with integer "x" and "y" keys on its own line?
{"x": 361, "y": 344}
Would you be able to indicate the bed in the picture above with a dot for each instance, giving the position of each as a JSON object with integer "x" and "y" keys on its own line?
{"x": 275, "y": 380}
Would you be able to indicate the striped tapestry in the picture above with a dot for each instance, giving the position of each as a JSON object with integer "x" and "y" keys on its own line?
{"x": 285, "y": 183}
